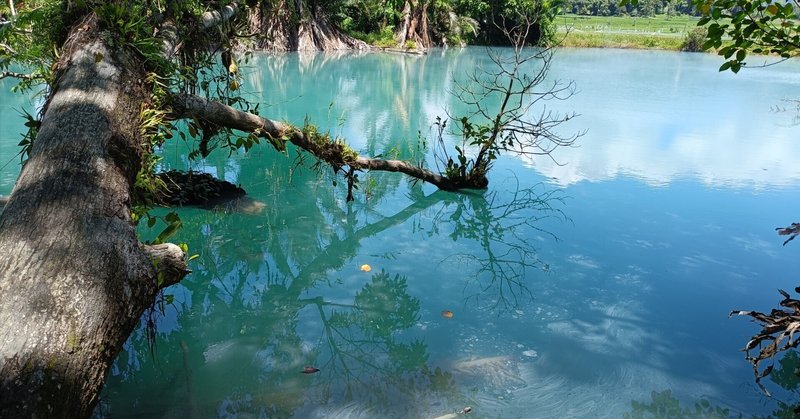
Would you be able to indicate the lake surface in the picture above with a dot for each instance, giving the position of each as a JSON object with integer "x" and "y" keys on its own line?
{"x": 594, "y": 284}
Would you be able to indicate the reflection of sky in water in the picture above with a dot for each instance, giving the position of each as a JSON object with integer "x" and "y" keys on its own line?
{"x": 631, "y": 296}
{"x": 667, "y": 117}
{"x": 635, "y": 300}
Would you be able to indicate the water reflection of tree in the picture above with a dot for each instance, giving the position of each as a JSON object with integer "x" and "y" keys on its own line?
{"x": 405, "y": 94}
{"x": 787, "y": 376}
{"x": 503, "y": 225}
{"x": 247, "y": 321}
{"x": 263, "y": 302}
{"x": 665, "y": 405}
{"x": 365, "y": 362}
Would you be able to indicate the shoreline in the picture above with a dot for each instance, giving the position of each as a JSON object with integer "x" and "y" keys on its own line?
{"x": 621, "y": 41}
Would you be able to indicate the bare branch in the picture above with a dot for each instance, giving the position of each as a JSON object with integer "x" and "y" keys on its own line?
{"x": 519, "y": 83}
{"x": 21, "y": 76}
{"x": 333, "y": 153}
{"x": 792, "y": 231}
{"x": 8, "y": 48}
{"x": 514, "y": 80}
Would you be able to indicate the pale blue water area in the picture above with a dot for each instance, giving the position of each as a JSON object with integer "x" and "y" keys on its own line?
{"x": 579, "y": 287}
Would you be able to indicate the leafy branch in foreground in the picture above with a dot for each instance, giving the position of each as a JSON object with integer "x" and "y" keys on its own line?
{"x": 737, "y": 28}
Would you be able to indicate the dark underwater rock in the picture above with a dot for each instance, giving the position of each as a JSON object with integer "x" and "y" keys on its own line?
{"x": 196, "y": 189}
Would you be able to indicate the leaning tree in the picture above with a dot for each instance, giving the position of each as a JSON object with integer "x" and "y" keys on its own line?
{"x": 119, "y": 76}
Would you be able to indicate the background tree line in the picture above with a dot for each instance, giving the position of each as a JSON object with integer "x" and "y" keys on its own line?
{"x": 450, "y": 21}
{"x": 641, "y": 8}
{"x": 401, "y": 23}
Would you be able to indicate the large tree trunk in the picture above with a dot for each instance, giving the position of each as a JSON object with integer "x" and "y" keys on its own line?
{"x": 74, "y": 278}
{"x": 414, "y": 25}
{"x": 289, "y": 25}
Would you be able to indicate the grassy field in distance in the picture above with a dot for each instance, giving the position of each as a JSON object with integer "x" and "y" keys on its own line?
{"x": 658, "y": 32}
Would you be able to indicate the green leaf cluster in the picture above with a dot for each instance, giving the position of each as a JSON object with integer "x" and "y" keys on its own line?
{"x": 30, "y": 41}
{"x": 737, "y": 28}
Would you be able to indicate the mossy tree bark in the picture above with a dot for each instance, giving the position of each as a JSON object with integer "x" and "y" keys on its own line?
{"x": 73, "y": 275}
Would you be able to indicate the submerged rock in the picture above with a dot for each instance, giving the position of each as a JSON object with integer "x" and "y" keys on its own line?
{"x": 497, "y": 372}
{"x": 196, "y": 189}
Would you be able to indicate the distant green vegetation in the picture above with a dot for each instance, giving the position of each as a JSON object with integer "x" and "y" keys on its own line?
{"x": 661, "y": 24}
{"x": 639, "y": 8}
{"x": 657, "y": 32}
{"x": 623, "y": 40}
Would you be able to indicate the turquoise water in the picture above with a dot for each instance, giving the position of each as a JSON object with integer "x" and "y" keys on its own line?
{"x": 595, "y": 285}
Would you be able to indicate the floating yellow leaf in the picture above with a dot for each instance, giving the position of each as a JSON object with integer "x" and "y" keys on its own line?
{"x": 234, "y": 85}
{"x": 366, "y": 268}
{"x": 772, "y": 9}
{"x": 447, "y": 314}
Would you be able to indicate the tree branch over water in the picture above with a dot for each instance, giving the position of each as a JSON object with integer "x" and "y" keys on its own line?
{"x": 22, "y": 76}
{"x": 330, "y": 151}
